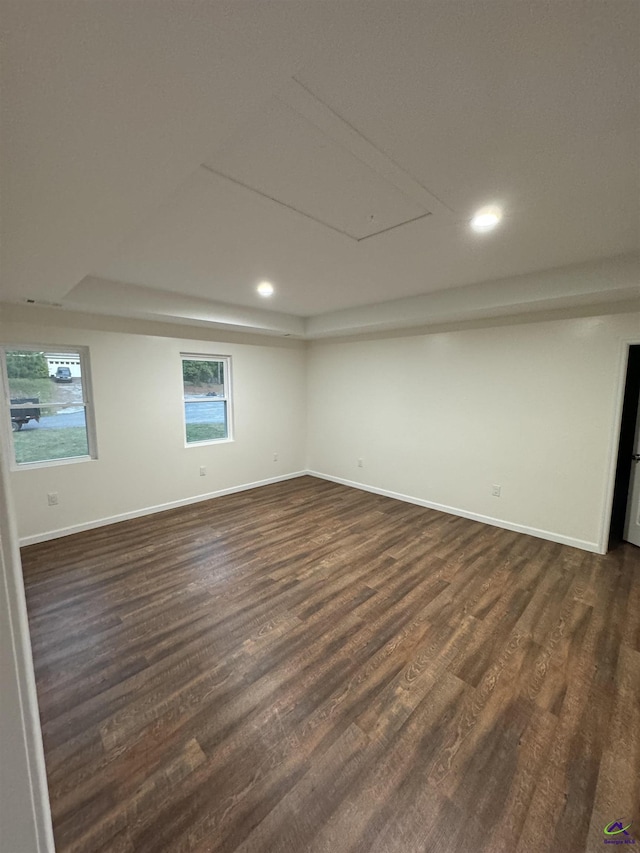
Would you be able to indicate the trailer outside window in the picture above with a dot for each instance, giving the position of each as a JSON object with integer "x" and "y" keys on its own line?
{"x": 49, "y": 415}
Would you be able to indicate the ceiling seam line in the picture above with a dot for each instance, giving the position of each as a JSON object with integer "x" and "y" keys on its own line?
{"x": 277, "y": 201}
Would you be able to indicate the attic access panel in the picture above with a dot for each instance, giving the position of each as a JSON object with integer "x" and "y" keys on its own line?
{"x": 289, "y": 159}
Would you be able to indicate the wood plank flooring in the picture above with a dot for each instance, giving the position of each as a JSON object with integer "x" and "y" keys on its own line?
{"x": 307, "y": 667}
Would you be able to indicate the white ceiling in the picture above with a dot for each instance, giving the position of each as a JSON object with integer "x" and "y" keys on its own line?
{"x": 159, "y": 159}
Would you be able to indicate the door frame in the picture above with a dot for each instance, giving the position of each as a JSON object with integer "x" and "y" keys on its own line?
{"x": 614, "y": 442}
{"x": 34, "y": 824}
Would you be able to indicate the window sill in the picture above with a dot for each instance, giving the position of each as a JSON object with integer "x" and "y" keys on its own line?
{"x": 208, "y": 442}
{"x": 50, "y": 463}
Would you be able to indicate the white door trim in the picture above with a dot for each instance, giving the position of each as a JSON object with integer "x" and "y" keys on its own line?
{"x": 614, "y": 441}
{"x": 30, "y": 766}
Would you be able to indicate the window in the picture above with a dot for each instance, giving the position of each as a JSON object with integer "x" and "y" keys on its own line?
{"x": 206, "y": 396}
{"x": 47, "y": 411}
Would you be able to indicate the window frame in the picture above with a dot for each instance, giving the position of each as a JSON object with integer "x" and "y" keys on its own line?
{"x": 226, "y": 398}
{"x": 87, "y": 392}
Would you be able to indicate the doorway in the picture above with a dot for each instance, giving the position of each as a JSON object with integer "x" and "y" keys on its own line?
{"x": 625, "y": 447}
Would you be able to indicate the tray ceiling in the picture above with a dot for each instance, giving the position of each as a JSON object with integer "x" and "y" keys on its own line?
{"x": 335, "y": 149}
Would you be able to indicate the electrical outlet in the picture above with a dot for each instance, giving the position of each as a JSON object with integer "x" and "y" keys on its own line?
{"x": 496, "y": 490}
{"x": 275, "y": 457}
{"x": 360, "y": 463}
{"x": 203, "y": 471}
{"x": 52, "y": 498}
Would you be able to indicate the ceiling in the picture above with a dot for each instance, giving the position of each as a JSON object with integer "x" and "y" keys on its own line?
{"x": 160, "y": 159}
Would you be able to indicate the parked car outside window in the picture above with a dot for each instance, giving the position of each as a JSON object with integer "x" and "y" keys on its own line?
{"x": 63, "y": 374}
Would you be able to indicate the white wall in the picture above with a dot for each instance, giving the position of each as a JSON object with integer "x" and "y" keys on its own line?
{"x": 143, "y": 462}
{"x": 441, "y": 418}
{"x": 437, "y": 418}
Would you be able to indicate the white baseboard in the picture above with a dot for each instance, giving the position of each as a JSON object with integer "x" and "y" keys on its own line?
{"x": 551, "y": 536}
{"x": 149, "y": 510}
{"x": 594, "y": 547}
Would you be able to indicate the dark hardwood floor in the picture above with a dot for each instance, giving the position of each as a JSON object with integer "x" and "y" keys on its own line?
{"x": 306, "y": 667}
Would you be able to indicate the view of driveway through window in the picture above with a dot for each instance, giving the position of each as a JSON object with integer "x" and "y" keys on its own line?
{"x": 205, "y": 399}
{"x": 47, "y": 406}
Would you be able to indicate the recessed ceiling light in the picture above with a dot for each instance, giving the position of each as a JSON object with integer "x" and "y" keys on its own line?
{"x": 265, "y": 288}
{"x": 486, "y": 219}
